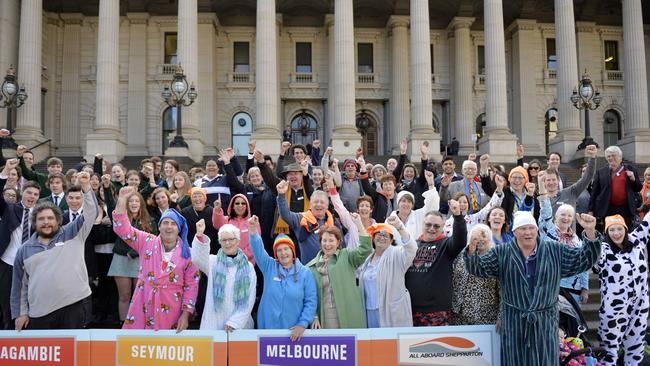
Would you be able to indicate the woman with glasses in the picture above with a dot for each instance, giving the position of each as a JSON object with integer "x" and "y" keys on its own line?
{"x": 230, "y": 294}
{"x": 381, "y": 277}
{"x": 534, "y": 167}
{"x": 238, "y": 214}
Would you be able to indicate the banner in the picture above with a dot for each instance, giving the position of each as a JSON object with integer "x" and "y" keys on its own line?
{"x": 42, "y": 348}
{"x": 312, "y": 350}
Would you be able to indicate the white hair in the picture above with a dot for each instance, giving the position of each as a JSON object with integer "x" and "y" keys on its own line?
{"x": 477, "y": 229}
{"x": 253, "y": 170}
{"x": 319, "y": 193}
{"x": 229, "y": 229}
{"x": 614, "y": 150}
{"x": 467, "y": 163}
{"x": 565, "y": 208}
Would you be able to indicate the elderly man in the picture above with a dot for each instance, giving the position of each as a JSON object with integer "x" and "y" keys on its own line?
{"x": 50, "y": 282}
{"x": 477, "y": 197}
{"x": 614, "y": 188}
{"x": 530, "y": 271}
{"x": 306, "y": 224}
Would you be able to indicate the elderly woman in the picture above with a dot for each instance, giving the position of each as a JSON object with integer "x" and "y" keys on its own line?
{"x": 475, "y": 299}
{"x": 479, "y": 217}
{"x": 381, "y": 277}
{"x": 168, "y": 281}
{"x": 230, "y": 296}
{"x": 406, "y": 202}
{"x": 559, "y": 229}
{"x": 289, "y": 299}
{"x": 339, "y": 299}
{"x": 624, "y": 304}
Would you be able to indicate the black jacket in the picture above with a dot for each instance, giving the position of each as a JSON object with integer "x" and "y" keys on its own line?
{"x": 381, "y": 210}
{"x": 12, "y": 215}
{"x": 601, "y": 191}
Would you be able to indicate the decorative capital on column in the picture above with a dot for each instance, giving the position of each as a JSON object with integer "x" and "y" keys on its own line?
{"x": 519, "y": 25}
{"x": 138, "y": 18}
{"x": 329, "y": 20}
{"x": 398, "y": 21}
{"x": 461, "y": 22}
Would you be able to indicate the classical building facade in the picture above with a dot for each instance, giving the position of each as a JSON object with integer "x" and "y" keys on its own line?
{"x": 350, "y": 73}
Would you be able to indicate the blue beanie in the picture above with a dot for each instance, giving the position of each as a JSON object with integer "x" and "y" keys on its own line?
{"x": 180, "y": 221}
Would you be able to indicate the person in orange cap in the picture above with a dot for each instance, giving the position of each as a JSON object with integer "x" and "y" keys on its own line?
{"x": 386, "y": 299}
{"x": 623, "y": 275}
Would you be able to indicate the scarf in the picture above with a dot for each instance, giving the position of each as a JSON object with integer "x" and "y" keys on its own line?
{"x": 281, "y": 226}
{"x": 565, "y": 238}
{"x": 242, "y": 279}
{"x": 309, "y": 222}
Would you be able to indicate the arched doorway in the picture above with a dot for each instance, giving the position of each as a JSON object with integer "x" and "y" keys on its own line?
{"x": 611, "y": 127}
{"x": 550, "y": 125}
{"x": 169, "y": 121}
{"x": 367, "y": 128}
{"x": 304, "y": 128}
{"x": 242, "y": 128}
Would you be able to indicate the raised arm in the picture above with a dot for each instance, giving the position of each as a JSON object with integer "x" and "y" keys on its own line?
{"x": 408, "y": 247}
{"x": 133, "y": 237}
{"x": 262, "y": 258}
{"x": 358, "y": 255}
{"x": 459, "y": 239}
{"x": 578, "y": 187}
{"x": 576, "y": 260}
{"x": 235, "y": 185}
{"x": 344, "y": 216}
{"x": 84, "y": 224}
{"x": 641, "y": 234}
{"x": 201, "y": 248}
{"x": 292, "y": 218}
{"x": 218, "y": 218}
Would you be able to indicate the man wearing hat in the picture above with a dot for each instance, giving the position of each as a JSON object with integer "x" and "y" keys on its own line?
{"x": 351, "y": 188}
{"x": 298, "y": 194}
{"x": 530, "y": 270}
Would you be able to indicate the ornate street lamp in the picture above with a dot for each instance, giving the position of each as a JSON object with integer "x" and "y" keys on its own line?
{"x": 586, "y": 98}
{"x": 363, "y": 123}
{"x": 303, "y": 123}
{"x": 11, "y": 97}
{"x": 174, "y": 95}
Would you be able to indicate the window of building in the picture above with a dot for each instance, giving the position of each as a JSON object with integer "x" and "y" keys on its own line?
{"x": 303, "y": 57}
{"x": 551, "y": 57}
{"x": 241, "y": 62}
{"x": 242, "y": 128}
{"x": 611, "y": 55}
{"x": 481, "y": 59}
{"x": 365, "y": 63}
{"x": 171, "y": 44}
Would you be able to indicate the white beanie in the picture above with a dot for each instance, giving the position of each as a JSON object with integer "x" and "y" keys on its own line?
{"x": 523, "y": 218}
{"x": 405, "y": 193}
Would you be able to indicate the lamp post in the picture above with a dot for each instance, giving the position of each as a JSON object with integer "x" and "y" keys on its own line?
{"x": 11, "y": 97}
{"x": 174, "y": 95}
{"x": 586, "y": 98}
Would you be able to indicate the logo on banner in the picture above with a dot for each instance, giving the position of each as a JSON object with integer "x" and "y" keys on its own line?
{"x": 163, "y": 351}
{"x": 472, "y": 348}
{"x": 313, "y": 351}
{"x": 37, "y": 351}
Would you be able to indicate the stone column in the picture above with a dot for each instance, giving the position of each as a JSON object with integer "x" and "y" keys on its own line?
{"x": 400, "y": 113}
{"x": 462, "y": 102}
{"x": 28, "y": 124}
{"x": 636, "y": 143}
{"x": 570, "y": 133}
{"x": 207, "y": 81}
{"x": 107, "y": 137}
{"x": 137, "y": 92}
{"x": 9, "y": 30}
{"x": 498, "y": 141}
{"x": 345, "y": 138}
{"x": 331, "y": 70}
{"x": 421, "y": 104}
{"x": 188, "y": 58}
{"x": 70, "y": 96}
{"x": 267, "y": 131}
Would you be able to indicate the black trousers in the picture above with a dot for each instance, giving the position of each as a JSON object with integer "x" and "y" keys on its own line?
{"x": 72, "y": 316}
{"x": 6, "y": 274}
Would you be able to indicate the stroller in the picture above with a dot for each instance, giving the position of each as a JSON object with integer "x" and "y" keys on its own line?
{"x": 574, "y": 325}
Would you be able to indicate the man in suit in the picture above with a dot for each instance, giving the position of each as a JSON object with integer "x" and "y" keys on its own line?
{"x": 57, "y": 186}
{"x": 614, "y": 188}
{"x": 14, "y": 231}
{"x": 476, "y": 197}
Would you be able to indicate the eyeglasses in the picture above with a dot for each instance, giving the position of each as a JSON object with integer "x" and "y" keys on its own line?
{"x": 430, "y": 225}
{"x": 240, "y": 203}
{"x": 516, "y": 177}
{"x": 228, "y": 240}
{"x": 534, "y": 168}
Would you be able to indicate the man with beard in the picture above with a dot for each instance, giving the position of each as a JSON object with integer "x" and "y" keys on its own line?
{"x": 50, "y": 282}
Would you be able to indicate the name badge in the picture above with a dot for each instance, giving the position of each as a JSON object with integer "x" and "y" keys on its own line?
{"x": 277, "y": 279}
{"x": 59, "y": 244}
{"x": 560, "y": 203}
{"x": 300, "y": 198}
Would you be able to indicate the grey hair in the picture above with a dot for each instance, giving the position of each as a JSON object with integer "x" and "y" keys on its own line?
{"x": 481, "y": 228}
{"x": 319, "y": 193}
{"x": 563, "y": 208}
{"x": 467, "y": 163}
{"x": 229, "y": 229}
{"x": 614, "y": 150}
{"x": 42, "y": 206}
{"x": 254, "y": 169}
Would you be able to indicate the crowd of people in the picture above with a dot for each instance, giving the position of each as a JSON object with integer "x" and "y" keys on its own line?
{"x": 297, "y": 243}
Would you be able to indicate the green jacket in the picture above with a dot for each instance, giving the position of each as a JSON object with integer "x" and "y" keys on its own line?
{"x": 35, "y": 176}
{"x": 347, "y": 295}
